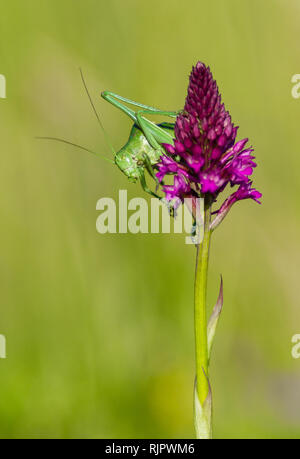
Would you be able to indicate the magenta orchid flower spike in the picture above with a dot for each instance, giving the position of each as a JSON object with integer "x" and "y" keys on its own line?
{"x": 194, "y": 161}
{"x": 204, "y": 159}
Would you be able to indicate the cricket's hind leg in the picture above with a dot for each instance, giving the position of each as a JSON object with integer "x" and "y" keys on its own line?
{"x": 117, "y": 100}
{"x": 160, "y": 136}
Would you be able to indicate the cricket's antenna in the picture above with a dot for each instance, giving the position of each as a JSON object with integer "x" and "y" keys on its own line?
{"x": 75, "y": 145}
{"x": 96, "y": 113}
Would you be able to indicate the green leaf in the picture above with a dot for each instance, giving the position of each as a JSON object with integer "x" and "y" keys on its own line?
{"x": 203, "y": 415}
{"x": 214, "y": 319}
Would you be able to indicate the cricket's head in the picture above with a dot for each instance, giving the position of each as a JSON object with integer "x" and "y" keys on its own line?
{"x": 127, "y": 164}
{"x": 130, "y": 158}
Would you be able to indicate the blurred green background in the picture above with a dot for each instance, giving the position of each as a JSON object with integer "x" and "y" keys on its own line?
{"x": 99, "y": 329}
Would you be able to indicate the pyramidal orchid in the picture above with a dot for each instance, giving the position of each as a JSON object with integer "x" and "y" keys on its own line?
{"x": 199, "y": 157}
{"x": 194, "y": 161}
{"x": 204, "y": 159}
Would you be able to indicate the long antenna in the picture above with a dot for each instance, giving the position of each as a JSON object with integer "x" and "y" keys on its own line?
{"x": 96, "y": 113}
{"x": 75, "y": 145}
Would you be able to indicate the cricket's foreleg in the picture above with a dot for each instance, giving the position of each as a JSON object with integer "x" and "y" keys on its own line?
{"x": 150, "y": 169}
{"x": 145, "y": 186}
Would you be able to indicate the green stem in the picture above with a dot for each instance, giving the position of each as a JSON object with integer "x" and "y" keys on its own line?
{"x": 200, "y": 307}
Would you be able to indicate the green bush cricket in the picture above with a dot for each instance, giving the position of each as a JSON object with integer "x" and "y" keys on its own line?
{"x": 144, "y": 146}
{"x": 143, "y": 149}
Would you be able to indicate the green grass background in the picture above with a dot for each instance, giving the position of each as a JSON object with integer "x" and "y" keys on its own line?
{"x": 100, "y": 328}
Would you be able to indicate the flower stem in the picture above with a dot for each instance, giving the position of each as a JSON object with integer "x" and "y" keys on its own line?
{"x": 200, "y": 307}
